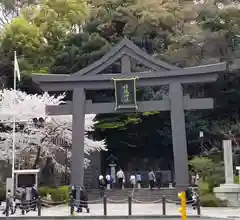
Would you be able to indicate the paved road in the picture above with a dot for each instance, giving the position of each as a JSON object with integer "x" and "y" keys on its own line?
{"x": 138, "y": 209}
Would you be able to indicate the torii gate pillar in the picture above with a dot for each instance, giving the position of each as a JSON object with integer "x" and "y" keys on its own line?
{"x": 178, "y": 136}
{"x": 78, "y": 123}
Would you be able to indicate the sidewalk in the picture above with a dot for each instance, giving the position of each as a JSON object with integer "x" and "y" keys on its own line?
{"x": 138, "y": 209}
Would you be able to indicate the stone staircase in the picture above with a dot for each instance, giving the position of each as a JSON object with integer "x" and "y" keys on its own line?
{"x": 139, "y": 195}
{"x": 146, "y": 195}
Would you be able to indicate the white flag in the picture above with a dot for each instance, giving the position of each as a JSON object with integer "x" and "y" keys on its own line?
{"x": 16, "y": 67}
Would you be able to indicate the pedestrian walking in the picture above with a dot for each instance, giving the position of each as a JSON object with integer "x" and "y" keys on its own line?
{"x": 102, "y": 184}
{"x": 109, "y": 181}
{"x": 139, "y": 180}
{"x": 34, "y": 197}
{"x": 121, "y": 178}
{"x": 24, "y": 202}
{"x": 9, "y": 203}
{"x": 133, "y": 180}
{"x": 152, "y": 179}
{"x": 83, "y": 200}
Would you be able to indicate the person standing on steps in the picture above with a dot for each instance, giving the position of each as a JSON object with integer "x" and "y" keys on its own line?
{"x": 159, "y": 179}
{"x": 109, "y": 181}
{"x": 133, "y": 180}
{"x": 121, "y": 178}
{"x": 102, "y": 184}
{"x": 139, "y": 180}
{"x": 152, "y": 179}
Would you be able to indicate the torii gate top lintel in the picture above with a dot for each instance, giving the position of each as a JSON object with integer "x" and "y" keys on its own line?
{"x": 161, "y": 73}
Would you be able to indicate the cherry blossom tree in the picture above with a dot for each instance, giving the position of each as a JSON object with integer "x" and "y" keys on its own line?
{"x": 34, "y": 141}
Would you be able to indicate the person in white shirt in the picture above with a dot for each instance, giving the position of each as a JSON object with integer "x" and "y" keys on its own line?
{"x": 108, "y": 178}
{"x": 133, "y": 180}
{"x": 139, "y": 180}
{"x": 197, "y": 179}
{"x": 121, "y": 178}
{"x": 101, "y": 185}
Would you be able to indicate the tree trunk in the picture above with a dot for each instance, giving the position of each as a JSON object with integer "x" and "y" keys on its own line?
{"x": 37, "y": 157}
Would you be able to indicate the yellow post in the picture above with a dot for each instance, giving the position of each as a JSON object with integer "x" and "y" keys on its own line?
{"x": 183, "y": 208}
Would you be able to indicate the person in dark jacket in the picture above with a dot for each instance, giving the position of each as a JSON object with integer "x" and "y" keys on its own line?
{"x": 83, "y": 200}
{"x": 10, "y": 203}
{"x": 34, "y": 197}
{"x": 159, "y": 179}
{"x": 24, "y": 205}
{"x": 73, "y": 194}
{"x": 102, "y": 183}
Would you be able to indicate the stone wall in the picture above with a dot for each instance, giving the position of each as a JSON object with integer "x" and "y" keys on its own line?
{"x": 92, "y": 173}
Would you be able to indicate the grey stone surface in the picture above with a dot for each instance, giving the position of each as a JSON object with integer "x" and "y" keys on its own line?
{"x": 138, "y": 210}
{"x": 228, "y": 191}
{"x": 116, "y": 217}
{"x": 228, "y": 162}
{"x": 179, "y": 136}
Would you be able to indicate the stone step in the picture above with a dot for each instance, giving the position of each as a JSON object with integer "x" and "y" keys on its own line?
{"x": 139, "y": 195}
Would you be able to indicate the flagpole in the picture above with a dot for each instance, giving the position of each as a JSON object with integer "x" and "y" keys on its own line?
{"x": 14, "y": 123}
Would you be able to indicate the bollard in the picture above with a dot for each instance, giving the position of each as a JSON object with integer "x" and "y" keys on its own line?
{"x": 71, "y": 206}
{"x": 104, "y": 205}
{"x": 39, "y": 205}
{"x": 7, "y": 207}
{"x": 163, "y": 205}
{"x": 129, "y": 205}
{"x": 198, "y": 206}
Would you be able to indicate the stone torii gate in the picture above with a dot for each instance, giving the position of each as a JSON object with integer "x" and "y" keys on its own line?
{"x": 124, "y": 84}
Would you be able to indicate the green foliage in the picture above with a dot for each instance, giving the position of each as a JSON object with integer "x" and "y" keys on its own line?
{"x": 58, "y": 194}
{"x": 236, "y": 179}
{"x": 39, "y": 32}
{"x": 2, "y": 193}
{"x": 80, "y": 51}
{"x": 29, "y": 40}
{"x": 209, "y": 200}
{"x": 202, "y": 165}
{"x": 210, "y": 172}
{"x": 203, "y": 188}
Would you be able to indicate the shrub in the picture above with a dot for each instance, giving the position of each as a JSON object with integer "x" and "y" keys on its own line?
{"x": 2, "y": 194}
{"x": 203, "y": 188}
{"x": 209, "y": 200}
{"x": 57, "y": 194}
{"x": 236, "y": 179}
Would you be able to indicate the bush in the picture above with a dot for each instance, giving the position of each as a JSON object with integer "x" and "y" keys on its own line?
{"x": 203, "y": 188}
{"x": 2, "y": 194}
{"x": 57, "y": 194}
{"x": 209, "y": 200}
{"x": 236, "y": 179}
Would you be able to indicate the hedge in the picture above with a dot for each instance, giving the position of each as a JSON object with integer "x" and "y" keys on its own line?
{"x": 57, "y": 194}
{"x": 2, "y": 194}
{"x": 210, "y": 200}
{"x": 207, "y": 198}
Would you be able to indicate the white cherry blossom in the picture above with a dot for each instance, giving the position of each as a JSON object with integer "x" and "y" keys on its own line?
{"x": 30, "y": 139}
